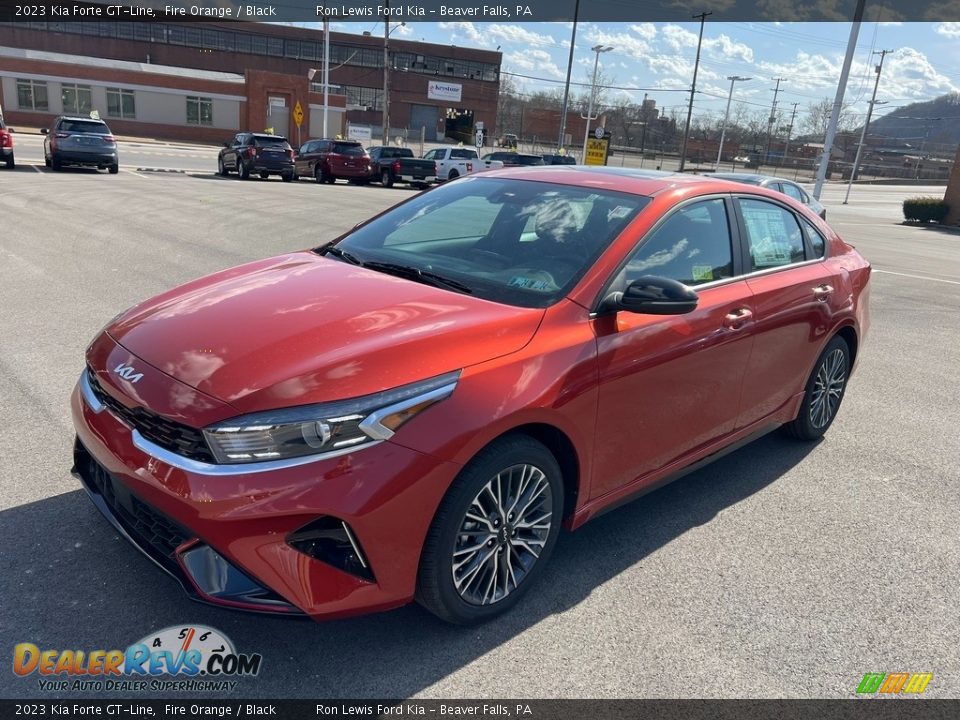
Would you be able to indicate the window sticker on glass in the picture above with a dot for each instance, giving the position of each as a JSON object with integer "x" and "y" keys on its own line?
{"x": 619, "y": 212}
{"x": 702, "y": 273}
{"x": 530, "y": 283}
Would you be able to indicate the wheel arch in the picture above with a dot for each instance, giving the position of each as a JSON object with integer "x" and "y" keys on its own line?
{"x": 562, "y": 448}
{"x": 849, "y": 334}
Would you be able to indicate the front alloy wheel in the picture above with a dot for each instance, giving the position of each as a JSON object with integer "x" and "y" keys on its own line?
{"x": 493, "y": 533}
{"x": 502, "y": 534}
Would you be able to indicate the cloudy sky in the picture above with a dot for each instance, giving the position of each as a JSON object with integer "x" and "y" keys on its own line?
{"x": 658, "y": 58}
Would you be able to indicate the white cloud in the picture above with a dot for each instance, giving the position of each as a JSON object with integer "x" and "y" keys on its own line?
{"x": 519, "y": 35}
{"x": 465, "y": 30}
{"x": 678, "y": 39}
{"x": 533, "y": 60}
{"x": 402, "y": 30}
{"x": 648, "y": 31}
{"x": 948, "y": 29}
{"x": 622, "y": 43}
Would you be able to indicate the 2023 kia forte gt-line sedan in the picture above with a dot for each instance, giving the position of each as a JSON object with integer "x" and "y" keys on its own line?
{"x": 413, "y": 410}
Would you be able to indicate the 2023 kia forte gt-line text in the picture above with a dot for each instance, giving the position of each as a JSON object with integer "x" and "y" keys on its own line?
{"x": 413, "y": 410}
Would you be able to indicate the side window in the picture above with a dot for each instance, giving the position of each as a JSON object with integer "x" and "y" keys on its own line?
{"x": 773, "y": 235}
{"x": 817, "y": 242}
{"x": 238, "y": 139}
{"x": 692, "y": 246}
{"x": 793, "y": 191}
{"x": 432, "y": 155}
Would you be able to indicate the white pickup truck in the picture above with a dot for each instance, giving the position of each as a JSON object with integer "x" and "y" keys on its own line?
{"x": 452, "y": 162}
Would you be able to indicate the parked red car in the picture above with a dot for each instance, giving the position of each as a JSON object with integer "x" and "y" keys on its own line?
{"x": 327, "y": 161}
{"x": 413, "y": 410}
{"x": 6, "y": 145}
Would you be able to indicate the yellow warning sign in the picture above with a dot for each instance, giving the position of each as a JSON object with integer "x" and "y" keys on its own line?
{"x": 596, "y": 152}
{"x": 298, "y": 114}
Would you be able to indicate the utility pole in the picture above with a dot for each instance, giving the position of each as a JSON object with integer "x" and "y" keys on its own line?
{"x": 838, "y": 100}
{"x": 726, "y": 116}
{"x": 786, "y": 147}
{"x": 772, "y": 119}
{"x": 326, "y": 76}
{"x": 866, "y": 124}
{"x": 566, "y": 88}
{"x": 693, "y": 89}
{"x": 386, "y": 73}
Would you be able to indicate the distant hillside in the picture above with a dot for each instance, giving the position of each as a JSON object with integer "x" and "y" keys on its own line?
{"x": 935, "y": 121}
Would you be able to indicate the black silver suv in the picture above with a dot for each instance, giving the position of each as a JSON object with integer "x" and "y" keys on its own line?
{"x": 80, "y": 141}
{"x": 257, "y": 154}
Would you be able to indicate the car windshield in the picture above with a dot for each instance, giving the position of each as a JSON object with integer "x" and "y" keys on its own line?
{"x": 84, "y": 126}
{"x": 347, "y": 149}
{"x": 512, "y": 241}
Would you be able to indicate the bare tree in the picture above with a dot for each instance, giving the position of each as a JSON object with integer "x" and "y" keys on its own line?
{"x": 818, "y": 118}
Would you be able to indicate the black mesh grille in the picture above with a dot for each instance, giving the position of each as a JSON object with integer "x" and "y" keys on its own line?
{"x": 180, "y": 439}
{"x": 161, "y": 533}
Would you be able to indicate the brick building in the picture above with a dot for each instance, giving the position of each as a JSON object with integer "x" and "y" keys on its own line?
{"x": 246, "y": 76}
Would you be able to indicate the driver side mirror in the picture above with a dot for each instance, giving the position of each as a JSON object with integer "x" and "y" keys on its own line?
{"x": 226, "y": 144}
{"x": 44, "y": 131}
{"x": 652, "y": 295}
{"x": 10, "y": 130}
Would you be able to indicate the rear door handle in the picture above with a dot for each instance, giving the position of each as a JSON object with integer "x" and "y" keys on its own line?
{"x": 822, "y": 292}
{"x": 736, "y": 319}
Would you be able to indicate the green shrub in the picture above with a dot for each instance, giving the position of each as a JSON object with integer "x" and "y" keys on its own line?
{"x": 925, "y": 209}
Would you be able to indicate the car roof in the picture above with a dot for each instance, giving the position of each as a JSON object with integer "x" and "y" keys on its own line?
{"x": 268, "y": 135}
{"x": 751, "y": 177}
{"x": 635, "y": 181}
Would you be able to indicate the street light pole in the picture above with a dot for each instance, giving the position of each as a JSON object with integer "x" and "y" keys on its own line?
{"x": 593, "y": 94}
{"x": 866, "y": 124}
{"x": 326, "y": 76}
{"x": 726, "y": 116}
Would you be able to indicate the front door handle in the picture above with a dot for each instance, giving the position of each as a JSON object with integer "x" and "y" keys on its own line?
{"x": 736, "y": 319}
{"x": 823, "y": 292}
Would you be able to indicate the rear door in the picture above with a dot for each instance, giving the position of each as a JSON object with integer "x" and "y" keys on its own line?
{"x": 671, "y": 384}
{"x": 302, "y": 163}
{"x": 795, "y": 301}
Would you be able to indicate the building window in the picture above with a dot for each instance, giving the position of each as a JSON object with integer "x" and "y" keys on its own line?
{"x": 32, "y": 95}
{"x": 199, "y": 111}
{"x": 121, "y": 103}
{"x": 77, "y": 99}
{"x": 363, "y": 96}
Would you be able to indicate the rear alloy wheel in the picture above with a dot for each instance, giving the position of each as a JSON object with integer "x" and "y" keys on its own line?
{"x": 386, "y": 179}
{"x": 824, "y": 392}
{"x": 493, "y": 533}
{"x": 453, "y": 175}
{"x": 221, "y": 168}
{"x": 242, "y": 171}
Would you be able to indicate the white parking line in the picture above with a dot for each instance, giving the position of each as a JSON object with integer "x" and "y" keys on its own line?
{"x": 134, "y": 172}
{"x": 37, "y": 168}
{"x": 918, "y": 277}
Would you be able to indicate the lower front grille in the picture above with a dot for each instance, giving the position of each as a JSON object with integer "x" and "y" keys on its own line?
{"x": 156, "y": 534}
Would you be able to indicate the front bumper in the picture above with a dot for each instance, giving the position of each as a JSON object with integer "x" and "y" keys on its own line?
{"x": 225, "y": 538}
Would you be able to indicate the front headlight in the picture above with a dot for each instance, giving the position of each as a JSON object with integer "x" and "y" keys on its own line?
{"x": 325, "y": 427}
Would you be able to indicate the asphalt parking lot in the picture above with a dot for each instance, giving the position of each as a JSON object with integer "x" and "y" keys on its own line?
{"x": 783, "y": 570}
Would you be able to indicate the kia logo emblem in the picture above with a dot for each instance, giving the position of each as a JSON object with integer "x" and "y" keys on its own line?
{"x": 127, "y": 372}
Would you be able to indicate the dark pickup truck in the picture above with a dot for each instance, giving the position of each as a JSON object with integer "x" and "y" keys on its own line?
{"x": 391, "y": 165}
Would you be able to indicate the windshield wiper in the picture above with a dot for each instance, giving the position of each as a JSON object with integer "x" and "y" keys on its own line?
{"x": 342, "y": 254}
{"x": 415, "y": 273}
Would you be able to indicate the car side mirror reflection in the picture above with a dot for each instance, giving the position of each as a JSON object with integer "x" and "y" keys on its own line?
{"x": 652, "y": 295}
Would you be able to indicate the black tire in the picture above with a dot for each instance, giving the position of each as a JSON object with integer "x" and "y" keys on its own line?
{"x": 242, "y": 172}
{"x": 830, "y": 375}
{"x": 55, "y": 163}
{"x": 436, "y": 589}
{"x": 221, "y": 167}
{"x": 11, "y": 163}
{"x": 386, "y": 178}
{"x": 114, "y": 169}
{"x": 287, "y": 177}
{"x": 453, "y": 175}
{"x": 46, "y": 161}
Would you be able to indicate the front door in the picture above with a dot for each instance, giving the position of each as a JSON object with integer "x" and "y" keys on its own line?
{"x": 671, "y": 384}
